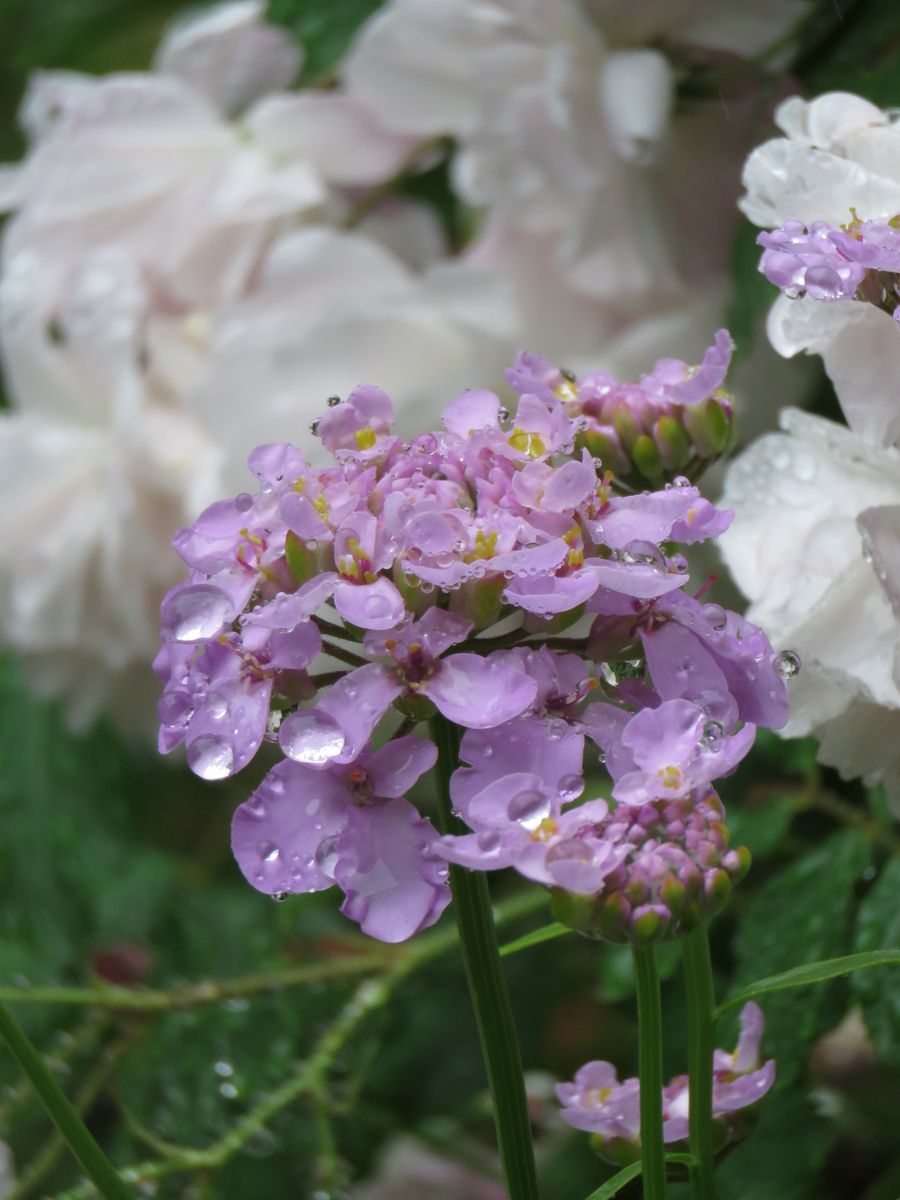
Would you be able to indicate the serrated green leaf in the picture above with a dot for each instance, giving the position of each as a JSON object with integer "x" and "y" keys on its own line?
{"x": 878, "y": 925}
{"x": 817, "y": 972}
{"x": 613, "y": 1186}
{"x": 799, "y": 916}
{"x": 545, "y": 934}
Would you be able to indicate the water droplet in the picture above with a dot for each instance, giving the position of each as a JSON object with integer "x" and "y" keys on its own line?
{"x": 196, "y": 614}
{"x": 681, "y": 481}
{"x": 570, "y": 787}
{"x": 713, "y": 736}
{"x": 314, "y": 427}
{"x": 788, "y": 664}
{"x": 489, "y": 841}
{"x": 210, "y": 757}
{"x": 312, "y": 806}
{"x": 326, "y": 855}
{"x": 267, "y": 851}
{"x": 308, "y": 736}
{"x": 529, "y": 808}
{"x": 644, "y": 552}
{"x": 243, "y": 502}
{"x": 216, "y": 705}
{"x": 224, "y": 1069}
{"x": 502, "y": 413}
{"x": 228, "y": 1090}
{"x": 333, "y": 401}
{"x": 570, "y": 849}
{"x": 280, "y": 897}
{"x": 376, "y": 607}
{"x": 716, "y": 616}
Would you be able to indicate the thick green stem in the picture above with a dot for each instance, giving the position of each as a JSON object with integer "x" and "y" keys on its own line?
{"x": 701, "y": 1026}
{"x": 650, "y": 1071}
{"x": 95, "y": 1163}
{"x": 490, "y": 999}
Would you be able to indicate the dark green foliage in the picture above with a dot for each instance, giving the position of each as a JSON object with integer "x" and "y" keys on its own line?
{"x": 877, "y": 926}
{"x": 800, "y": 915}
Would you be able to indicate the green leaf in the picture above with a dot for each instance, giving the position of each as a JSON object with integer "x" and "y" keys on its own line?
{"x": 878, "y": 926}
{"x": 781, "y": 1157}
{"x": 545, "y": 934}
{"x": 613, "y": 1186}
{"x": 798, "y": 917}
{"x": 862, "y": 56}
{"x": 816, "y": 972}
{"x": 324, "y": 30}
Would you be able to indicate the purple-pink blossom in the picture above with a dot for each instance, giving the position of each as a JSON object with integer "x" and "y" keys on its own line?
{"x": 596, "y": 1102}
{"x": 334, "y": 610}
{"x": 849, "y": 262}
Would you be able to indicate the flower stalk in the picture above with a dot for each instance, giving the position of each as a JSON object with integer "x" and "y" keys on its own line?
{"x": 701, "y": 1027}
{"x": 95, "y": 1163}
{"x": 650, "y": 1071}
{"x": 487, "y": 987}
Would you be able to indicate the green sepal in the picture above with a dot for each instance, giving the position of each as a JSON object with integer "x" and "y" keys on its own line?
{"x": 647, "y": 457}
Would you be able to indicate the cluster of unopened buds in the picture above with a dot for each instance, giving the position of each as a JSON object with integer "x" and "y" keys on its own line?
{"x": 856, "y": 261}
{"x": 495, "y": 575}
{"x": 599, "y": 1104}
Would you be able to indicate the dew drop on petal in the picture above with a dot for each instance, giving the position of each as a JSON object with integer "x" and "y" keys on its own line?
{"x": 311, "y": 737}
{"x": 489, "y": 841}
{"x": 243, "y": 502}
{"x": 326, "y": 855}
{"x": 713, "y": 736}
{"x": 267, "y": 851}
{"x": 788, "y": 664}
{"x": 715, "y": 616}
{"x": 210, "y": 757}
{"x": 376, "y": 607}
{"x": 569, "y": 849}
{"x": 529, "y": 808}
{"x": 196, "y": 614}
{"x": 570, "y": 787}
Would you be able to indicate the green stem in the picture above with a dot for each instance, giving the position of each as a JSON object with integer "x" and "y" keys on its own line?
{"x": 95, "y": 1163}
{"x": 701, "y": 1025}
{"x": 650, "y": 1071}
{"x": 487, "y": 987}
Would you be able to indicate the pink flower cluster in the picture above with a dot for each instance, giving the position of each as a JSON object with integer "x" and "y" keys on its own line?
{"x": 599, "y": 1104}
{"x": 858, "y": 261}
{"x": 333, "y": 610}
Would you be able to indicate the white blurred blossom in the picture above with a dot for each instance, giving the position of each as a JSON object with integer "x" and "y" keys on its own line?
{"x": 155, "y": 223}
{"x": 198, "y": 255}
{"x": 815, "y": 544}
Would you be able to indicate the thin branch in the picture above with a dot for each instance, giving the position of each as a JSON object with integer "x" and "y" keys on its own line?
{"x": 312, "y": 1076}
{"x": 207, "y": 992}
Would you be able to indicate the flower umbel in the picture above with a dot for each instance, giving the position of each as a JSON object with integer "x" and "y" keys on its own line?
{"x": 335, "y": 609}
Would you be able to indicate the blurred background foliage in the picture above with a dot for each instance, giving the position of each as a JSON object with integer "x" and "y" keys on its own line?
{"x": 115, "y": 870}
